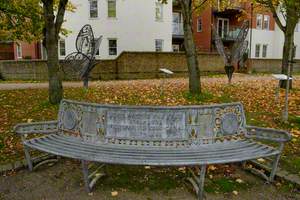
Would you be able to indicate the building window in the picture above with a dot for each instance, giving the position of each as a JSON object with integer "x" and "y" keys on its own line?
{"x": 62, "y": 47}
{"x": 259, "y": 18}
{"x": 176, "y": 47}
{"x": 159, "y": 45}
{"x": 257, "y": 50}
{"x": 98, "y": 52}
{"x": 158, "y": 11}
{"x": 199, "y": 24}
{"x": 264, "y": 50}
{"x": 112, "y": 47}
{"x": 297, "y": 28}
{"x": 19, "y": 50}
{"x": 266, "y": 22}
{"x": 93, "y": 8}
{"x": 112, "y": 8}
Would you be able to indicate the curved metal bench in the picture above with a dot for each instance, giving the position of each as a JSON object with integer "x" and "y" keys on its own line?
{"x": 152, "y": 135}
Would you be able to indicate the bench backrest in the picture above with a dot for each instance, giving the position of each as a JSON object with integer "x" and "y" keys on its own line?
{"x": 152, "y": 125}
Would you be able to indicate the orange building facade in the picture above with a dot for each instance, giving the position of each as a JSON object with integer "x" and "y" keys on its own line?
{"x": 20, "y": 50}
{"x": 227, "y": 24}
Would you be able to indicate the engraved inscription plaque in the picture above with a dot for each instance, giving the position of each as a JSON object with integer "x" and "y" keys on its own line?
{"x": 205, "y": 125}
{"x": 145, "y": 125}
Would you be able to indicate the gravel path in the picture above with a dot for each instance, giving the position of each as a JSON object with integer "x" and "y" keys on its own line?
{"x": 236, "y": 78}
{"x": 17, "y": 86}
{"x": 64, "y": 181}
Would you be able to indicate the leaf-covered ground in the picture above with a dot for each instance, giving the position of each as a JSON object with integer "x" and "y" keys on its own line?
{"x": 257, "y": 93}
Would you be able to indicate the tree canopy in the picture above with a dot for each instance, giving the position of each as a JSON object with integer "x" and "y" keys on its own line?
{"x": 23, "y": 19}
{"x": 20, "y": 20}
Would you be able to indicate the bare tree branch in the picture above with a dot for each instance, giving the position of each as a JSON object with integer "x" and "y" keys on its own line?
{"x": 60, "y": 15}
{"x": 200, "y": 5}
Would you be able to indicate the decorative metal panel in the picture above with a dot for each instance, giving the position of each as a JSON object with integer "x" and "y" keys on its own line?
{"x": 153, "y": 125}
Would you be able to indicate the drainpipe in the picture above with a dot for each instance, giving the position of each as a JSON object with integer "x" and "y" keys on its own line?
{"x": 251, "y": 26}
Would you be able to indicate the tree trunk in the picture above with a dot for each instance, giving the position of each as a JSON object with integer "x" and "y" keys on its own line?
{"x": 55, "y": 81}
{"x": 288, "y": 41}
{"x": 51, "y": 38}
{"x": 190, "y": 47}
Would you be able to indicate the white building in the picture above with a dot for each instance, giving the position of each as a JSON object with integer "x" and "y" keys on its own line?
{"x": 126, "y": 25}
{"x": 147, "y": 25}
{"x": 267, "y": 43}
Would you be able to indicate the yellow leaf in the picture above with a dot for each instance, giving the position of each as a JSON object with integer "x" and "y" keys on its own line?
{"x": 114, "y": 193}
{"x": 239, "y": 180}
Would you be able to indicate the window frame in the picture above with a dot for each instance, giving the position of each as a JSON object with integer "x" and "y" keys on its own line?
{"x": 199, "y": 19}
{"x": 98, "y": 52}
{"x": 60, "y": 47}
{"x": 297, "y": 28}
{"x": 95, "y": 9}
{"x": 159, "y": 5}
{"x": 266, "y": 17}
{"x": 259, "y": 47}
{"x": 259, "y": 17}
{"x": 161, "y": 45}
{"x": 19, "y": 50}
{"x": 110, "y": 47}
{"x": 115, "y": 8}
{"x": 264, "y": 50}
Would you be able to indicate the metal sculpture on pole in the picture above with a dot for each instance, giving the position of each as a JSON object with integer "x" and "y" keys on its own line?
{"x": 79, "y": 64}
{"x": 235, "y": 54}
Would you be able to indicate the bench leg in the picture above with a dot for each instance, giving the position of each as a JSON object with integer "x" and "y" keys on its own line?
{"x": 85, "y": 171}
{"x": 275, "y": 163}
{"x": 34, "y": 163}
{"x": 90, "y": 179}
{"x": 28, "y": 158}
{"x": 201, "y": 182}
{"x": 274, "y": 168}
{"x": 198, "y": 182}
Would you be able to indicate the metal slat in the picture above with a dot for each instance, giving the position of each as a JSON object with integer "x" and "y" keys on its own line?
{"x": 212, "y": 147}
{"x": 177, "y": 162}
{"x": 162, "y": 152}
{"x": 66, "y": 152}
{"x": 78, "y": 149}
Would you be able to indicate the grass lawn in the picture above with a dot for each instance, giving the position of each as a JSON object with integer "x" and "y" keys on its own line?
{"x": 256, "y": 94}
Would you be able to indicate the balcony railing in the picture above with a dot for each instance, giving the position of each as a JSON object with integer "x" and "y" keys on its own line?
{"x": 231, "y": 34}
{"x": 177, "y": 29}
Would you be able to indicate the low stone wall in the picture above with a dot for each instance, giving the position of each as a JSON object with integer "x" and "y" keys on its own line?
{"x": 24, "y": 70}
{"x": 137, "y": 65}
{"x": 129, "y": 65}
{"x": 270, "y": 65}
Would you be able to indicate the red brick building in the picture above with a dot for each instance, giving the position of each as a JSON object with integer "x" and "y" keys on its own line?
{"x": 20, "y": 50}
{"x": 226, "y": 22}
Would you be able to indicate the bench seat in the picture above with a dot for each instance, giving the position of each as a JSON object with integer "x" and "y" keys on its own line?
{"x": 225, "y": 152}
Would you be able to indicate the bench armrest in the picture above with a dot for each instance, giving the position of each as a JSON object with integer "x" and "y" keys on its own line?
{"x": 46, "y": 127}
{"x": 268, "y": 134}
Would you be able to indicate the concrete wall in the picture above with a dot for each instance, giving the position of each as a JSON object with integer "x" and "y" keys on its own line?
{"x": 129, "y": 65}
{"x": 270, "y": 65}
{"x": 136, "y": 65}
